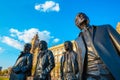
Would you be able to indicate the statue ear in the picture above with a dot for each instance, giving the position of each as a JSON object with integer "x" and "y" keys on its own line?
{"x": 88, "y": 21}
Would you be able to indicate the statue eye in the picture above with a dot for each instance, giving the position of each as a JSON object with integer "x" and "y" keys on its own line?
{"x": 65, "y": 45}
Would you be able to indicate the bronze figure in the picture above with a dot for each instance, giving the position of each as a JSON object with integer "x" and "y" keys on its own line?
{"x": 99, "y": 50}
{"x": 45, "y": 63}
{"x": 69, "y": 64}
{"x": 23, "y": 65}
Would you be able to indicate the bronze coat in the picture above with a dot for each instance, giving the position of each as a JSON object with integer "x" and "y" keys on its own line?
{"x": 106, "y": 42}
{"x": 74, "y": 58}
{"x": 47, "y": 65}
{"x": 22, "y": 67}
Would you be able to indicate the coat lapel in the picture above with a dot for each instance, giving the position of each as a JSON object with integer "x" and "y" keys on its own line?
{"x": 92, "y": 31}
{"x": 81, "y": 50}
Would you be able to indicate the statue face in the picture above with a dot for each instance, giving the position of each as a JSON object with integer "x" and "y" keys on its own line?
{"x": 68, "y": 46}
{"x": 81, "y": 20}
{"x": 27, "y": 47}
{"x": 43, "y": 45}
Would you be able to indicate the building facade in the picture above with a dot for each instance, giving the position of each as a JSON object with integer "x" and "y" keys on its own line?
{"x": 118, "y": 27}
{"x": 34, "y": 51}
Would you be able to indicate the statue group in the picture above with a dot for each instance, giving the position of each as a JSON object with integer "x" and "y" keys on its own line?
{"x": 97, "y": 56}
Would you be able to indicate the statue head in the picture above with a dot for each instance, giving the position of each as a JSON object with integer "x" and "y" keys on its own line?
{"x": 82, "y": 20}
{"x": 43, "y": 45}
{"x": 27, "y": 47}
{"x": 68, "y": 45}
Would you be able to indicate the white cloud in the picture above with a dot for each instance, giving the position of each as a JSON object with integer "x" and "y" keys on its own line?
{"x": 1, "y": 50}
{"x": 12, "y": 42}
{"x": 18, "y": 38}
{"x": 14, "y": 32}
{"x": 24, "y": 36}
{"x": 0, "y": 37}
{"x": 27, "y": 35}
{"x": 47, "y": 7}
{"x": 56, "y": 40}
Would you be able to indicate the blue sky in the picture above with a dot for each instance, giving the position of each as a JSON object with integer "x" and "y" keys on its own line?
{"x": 54, "y": 20}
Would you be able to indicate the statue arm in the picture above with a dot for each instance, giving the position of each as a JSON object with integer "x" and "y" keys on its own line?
{"x": 115, "y": 37}
{"x": 77, "y": 62}
{"x": 51, "y": 63}
{"x": 29, "y": 64}
{"x": 16, "y": 68}
{"x": 78, "y": 70}
{"x": 61, "y": 68}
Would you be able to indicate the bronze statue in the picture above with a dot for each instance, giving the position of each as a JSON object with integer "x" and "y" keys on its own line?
{"x": 45, "y": 63}
{"x": 99, "y": 50}
{"x": 69, "y": 64}
{"x": 23, "y": 65}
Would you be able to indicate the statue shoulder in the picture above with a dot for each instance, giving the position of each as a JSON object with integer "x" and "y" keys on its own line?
{"x": 75, "y": 52}
{"x": 49, "y": 52}
{"x": 102, "y": 26}
{"x": 63, "y": 54}
{"x": 80, "y": 34}
{"x": 29, "y": 54}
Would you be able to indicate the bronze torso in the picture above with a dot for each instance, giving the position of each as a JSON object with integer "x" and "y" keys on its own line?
{"x": 96, "y": 69}
{"x": 22, "y": 67}
{"x": 105, "y": 43}
{"x": 45, "y": 63}
{"x": 68, "y": 64}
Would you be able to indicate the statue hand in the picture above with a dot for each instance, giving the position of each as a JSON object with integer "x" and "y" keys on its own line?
{"x": 16, "y": 69}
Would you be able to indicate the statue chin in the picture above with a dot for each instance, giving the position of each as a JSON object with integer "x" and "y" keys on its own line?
{"x": 67, "y": 49}
{"x": 41, "y": 48}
